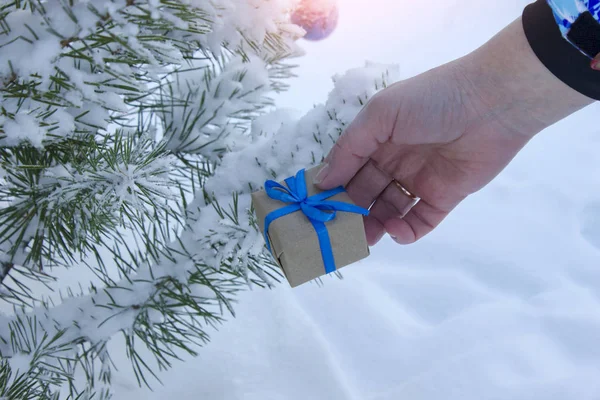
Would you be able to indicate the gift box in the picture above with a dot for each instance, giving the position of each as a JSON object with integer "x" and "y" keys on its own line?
{"x": 309, "y": 232}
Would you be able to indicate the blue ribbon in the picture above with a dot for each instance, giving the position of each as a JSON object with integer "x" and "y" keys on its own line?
{"x": 316, "y": 208}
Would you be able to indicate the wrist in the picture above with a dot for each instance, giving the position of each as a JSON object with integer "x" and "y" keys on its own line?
{"x": 511, "y": 86}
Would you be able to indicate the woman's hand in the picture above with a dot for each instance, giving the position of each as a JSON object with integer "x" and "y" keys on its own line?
{"x": 445, "y": 134}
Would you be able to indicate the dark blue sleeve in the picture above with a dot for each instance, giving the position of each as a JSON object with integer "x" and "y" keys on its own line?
{"x": 565, "y": 36}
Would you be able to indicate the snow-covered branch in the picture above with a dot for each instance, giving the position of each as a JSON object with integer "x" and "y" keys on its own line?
{"x": 66, "y": 68}
{"x": 132, "y": 133}
{"x": 221, "y": 236}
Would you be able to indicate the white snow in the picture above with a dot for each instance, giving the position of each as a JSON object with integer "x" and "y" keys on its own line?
{"x": 237, "y": 90}
{"x": 36, "y": 46}
{"x": 23, "y": 128}
{"x": 500, "y": 302}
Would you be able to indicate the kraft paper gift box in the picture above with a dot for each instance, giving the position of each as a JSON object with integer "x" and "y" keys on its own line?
{"x": 294, "y": 241}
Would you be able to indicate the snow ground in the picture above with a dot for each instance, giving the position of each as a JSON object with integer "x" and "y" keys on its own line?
{"x": 502, "y": 301}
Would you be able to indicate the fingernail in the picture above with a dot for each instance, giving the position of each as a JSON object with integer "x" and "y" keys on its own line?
{"x": 595, "y": 65}
{"x": 322, "y": 174}
{"x": 395, "y": 239}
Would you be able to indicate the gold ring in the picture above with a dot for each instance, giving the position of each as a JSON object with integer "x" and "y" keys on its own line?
{"x": 405, "y": 190}
{"x": 413, "y": 198}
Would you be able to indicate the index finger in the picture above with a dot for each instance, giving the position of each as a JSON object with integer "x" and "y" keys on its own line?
{"x": 353, "y": 149}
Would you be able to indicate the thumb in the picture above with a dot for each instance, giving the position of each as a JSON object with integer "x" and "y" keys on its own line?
{"x": 352, "y": 150}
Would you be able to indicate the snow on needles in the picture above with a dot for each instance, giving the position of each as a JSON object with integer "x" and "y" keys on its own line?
{"x": 217, "y": 101}
{"x": 210, "y": 236}
{"x": 62, "y": 54}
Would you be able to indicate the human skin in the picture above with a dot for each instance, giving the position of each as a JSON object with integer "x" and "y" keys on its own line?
{"x": 445, "y": 134}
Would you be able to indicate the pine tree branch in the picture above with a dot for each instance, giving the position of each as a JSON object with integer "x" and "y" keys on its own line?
{"x": 166, "y": 296}
{"x": 221, "y": 230}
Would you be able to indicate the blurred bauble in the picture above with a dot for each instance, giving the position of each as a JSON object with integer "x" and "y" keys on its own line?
{"x": 317, "y": 17}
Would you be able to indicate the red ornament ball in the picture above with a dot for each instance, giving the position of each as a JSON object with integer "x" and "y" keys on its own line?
{"x": 318, "y": 18}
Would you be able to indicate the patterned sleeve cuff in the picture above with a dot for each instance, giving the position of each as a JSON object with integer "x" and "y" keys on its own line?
{"x": 578, "y": 21}
{"x": 568, "y": 60}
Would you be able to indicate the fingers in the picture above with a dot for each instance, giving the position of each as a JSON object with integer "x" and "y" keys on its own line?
{"x": 352, "y": 150}
{"x": 364, "y": 188}
{"x": 368, "y": 184}
{"x": 421, "y": 220}
{"x": 374, "y": 230}
{"x": 395, "y": 200}
{"x": 387, "y": 213}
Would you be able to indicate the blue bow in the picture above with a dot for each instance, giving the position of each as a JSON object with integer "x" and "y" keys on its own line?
{"x": 316, "y": 208}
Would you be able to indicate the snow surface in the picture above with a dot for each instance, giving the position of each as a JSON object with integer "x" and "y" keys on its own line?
{"x": 502, "y": 301}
